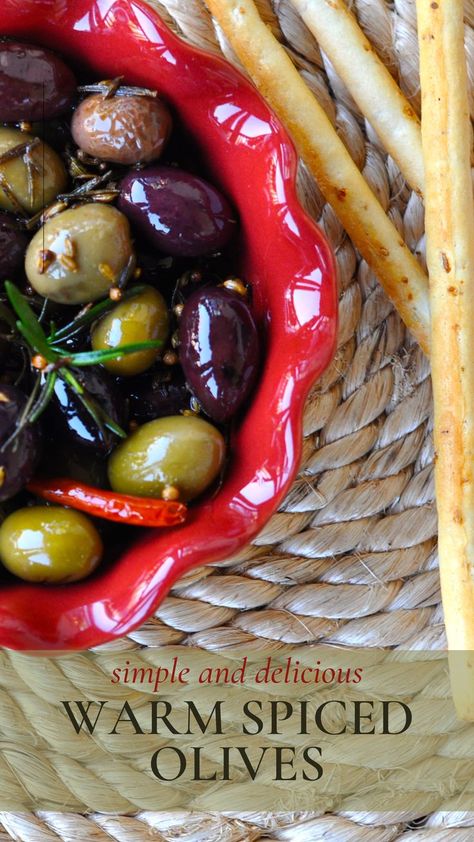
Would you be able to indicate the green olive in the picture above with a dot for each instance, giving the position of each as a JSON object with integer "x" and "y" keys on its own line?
{"x": 79, "y": 254}
{"x": 32, "y": 179}
{"x": 180, "y": 451}
{"x": 139, "y": 319}
{"x": 49, "y": 544}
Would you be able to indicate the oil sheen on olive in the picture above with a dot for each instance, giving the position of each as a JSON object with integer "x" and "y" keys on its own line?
{"x": 18, "y": 459}
{"x": 122, "y": 129}
{"x": 85, "y": 248}
{"x": 182, "y": 451}
{"x": 13, "y": 243}
{"x": 218, "y": 350}
{"x": 142, "y": 318}
{"x": 179, "y": 213}
{"x": 69, "y": 421}
{"x": 49, "y": 544}
{"x": 35, "y": 84}
{"x": 29, "y": 187}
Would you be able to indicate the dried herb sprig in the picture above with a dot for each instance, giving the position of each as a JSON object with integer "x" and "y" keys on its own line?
{"x": 86, "y": 187}
{"x": 113, "y": 87}
{"x": 86, "y": 192}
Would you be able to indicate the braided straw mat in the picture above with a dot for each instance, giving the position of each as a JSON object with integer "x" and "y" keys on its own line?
{"x": 366, "y": 482}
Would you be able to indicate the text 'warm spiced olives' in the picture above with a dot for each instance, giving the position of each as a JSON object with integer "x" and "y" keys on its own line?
{"x": 182, "y": 452}
{"x": 18, "y": 454}
{"x": 35, "y": 84}
{"x": 78, "y": 255}
{"x": 179, "y": 213}
{"x": 49, "y": 544}
{"x": 219, "y": 350}
{"x": 122, "y": 129}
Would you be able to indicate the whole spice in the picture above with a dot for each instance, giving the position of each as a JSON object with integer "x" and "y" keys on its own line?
{"x": 121, "y": 508}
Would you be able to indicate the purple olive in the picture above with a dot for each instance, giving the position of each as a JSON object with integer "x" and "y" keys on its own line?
{"x": 154, "y": 395}
{"x": 18, "y": 456}
{"x": 35, "y": 84}
{"x": 219, "y": 350}
{"x": 69, "y": 420}
{"x": 179, "y": 213}
{"x": 13, "y": 244}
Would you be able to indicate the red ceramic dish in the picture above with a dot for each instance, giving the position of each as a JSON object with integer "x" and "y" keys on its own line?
{"x": 292, "y": 272}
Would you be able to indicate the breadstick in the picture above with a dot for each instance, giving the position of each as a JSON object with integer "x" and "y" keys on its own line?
{"x": 369, "y": 82}
{"x": 326, "y": 156}
{"x": 450, "y": 254}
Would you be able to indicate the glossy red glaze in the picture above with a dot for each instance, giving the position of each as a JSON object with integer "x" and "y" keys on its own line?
{"x": 293, "y": 276}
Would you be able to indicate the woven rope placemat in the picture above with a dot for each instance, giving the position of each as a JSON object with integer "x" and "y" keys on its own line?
{"x": 351, "y": 556}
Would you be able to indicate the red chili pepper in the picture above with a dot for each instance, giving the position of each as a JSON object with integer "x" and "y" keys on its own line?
{"x": 123, "y": 508}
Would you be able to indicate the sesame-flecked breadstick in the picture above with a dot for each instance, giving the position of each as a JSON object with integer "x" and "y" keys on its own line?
{"x": 339, "y": 179}
{"x": 369, "y": 82}
{"x": 450, "y": 254}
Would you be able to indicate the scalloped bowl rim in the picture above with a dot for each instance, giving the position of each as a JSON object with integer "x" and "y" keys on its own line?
{"x": 295, "y": 292}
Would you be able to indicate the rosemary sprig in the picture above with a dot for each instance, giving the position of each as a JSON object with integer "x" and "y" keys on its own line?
{"x": 57, "y": 357}
{"x": 87, "y": 316}
{"x": 95, "y": 410}
{"x": 27, "y": 324}
{"x": 84, "y": 358}
{"x": 44, "y": 398}
{"x": 58, "y": 361}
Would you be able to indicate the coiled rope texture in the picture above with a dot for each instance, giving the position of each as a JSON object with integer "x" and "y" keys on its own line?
{"x": 349, "y": 559}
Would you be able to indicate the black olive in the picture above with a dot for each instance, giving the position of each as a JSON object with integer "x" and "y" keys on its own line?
{"x": 69, "y": 419}
{"x": 157, "y": 394}
{"x": 19, "y": 453}
{"x": 219, "y": 350}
